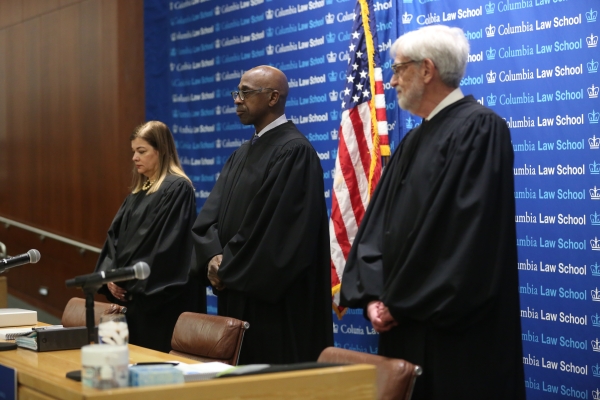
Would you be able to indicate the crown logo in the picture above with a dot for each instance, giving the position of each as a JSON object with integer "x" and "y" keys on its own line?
{"x": 492, "y": 99}
{"x": 218, "y": 27}
{"x": 175, "y": 114}
{"x": 335, "y": 328}
{"x": 592, "y": 41}
{"x": 218, "y": 93}
{"x": 173, "y": 52}
{"x": 331, "y": 57}
{"x": 218, "y": 110}
{"x": 594, "y": 142}
{"x": 491, "y": 77}
{"x": 334, "y": 153}
{"x": 217, "y": 10}
{"x": 332, "y": 76}
{"x": 217, "y": 43}
{"x": 218, "y": 127}
{"x": 594, "y": 168}
{"x": 595, "y": 294}
{"x": 172, "y": 66}
{"x": 596, "y": 372}
{"x": 591, "y": 15}
{"x": 406, "y": 18}
{"x": 269, "y": 32}
{"x": 490, "y": 53}
{"x": 218, "y": 143}
{"x": 334, "y": 134}
{"x": 596, "y": 393}
{"x": 490, "y": 31}
{"x": 595, "y": 218}
{"x": 333, "y": 95}
{"x": 175, "y": 128}
{"x": 410, "y": 123}
{"x": 270, "y": 49}
{"x": 594, "y": 116}
{"x": 328, "y": 2}
{"x": 334, "y": 115}
{"x": 218, "y": 60}
{"x": 218, "y": 77}
{"x": 330, "y": 37}
{"x": 490, "y": 8}
{"x": 593, "y": 91}
{"x": 329, "y": 18}
{"x": 595, "y": 268}
{"x": 269, "y": 14}
{"x": 595, "y": 345}
{"x": 592, "y": 66}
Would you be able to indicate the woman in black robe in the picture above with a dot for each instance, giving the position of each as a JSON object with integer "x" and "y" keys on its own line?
{"x": 154, "y": 226}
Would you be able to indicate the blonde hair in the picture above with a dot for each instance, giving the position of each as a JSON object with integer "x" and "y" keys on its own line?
{"x": 159, "y": 136}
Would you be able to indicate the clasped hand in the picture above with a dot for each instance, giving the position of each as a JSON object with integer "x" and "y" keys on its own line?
{"x": 213, "y": 268}
{"x": 380, "y": 316}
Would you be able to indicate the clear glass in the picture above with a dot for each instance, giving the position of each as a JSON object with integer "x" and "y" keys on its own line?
{"x": 113, "y": 329}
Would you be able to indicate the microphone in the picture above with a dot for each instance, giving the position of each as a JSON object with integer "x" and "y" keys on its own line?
{"x": 140, "y": 270}
{"x": 32, "y": 256}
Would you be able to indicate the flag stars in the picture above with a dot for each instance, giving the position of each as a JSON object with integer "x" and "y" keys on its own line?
{"x": 343, "y": 104}
{"x": 350, "y": 79}
{"x": 346, "y": 91}
{"x": 354, "y": 67}
{"x": 363, "y": 74}
{"x": 355, "y": 35}
{"x": 359, "y": 54}
{"x": 359, "y": 86}
{"x": 355, "y": 99}
{"x": 351, "y": 47}
{"x": 366, "y": 93}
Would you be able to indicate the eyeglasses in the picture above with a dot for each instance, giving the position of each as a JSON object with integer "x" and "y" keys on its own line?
{"x": 399, "y": 68}
{"x": 242, "y": 93}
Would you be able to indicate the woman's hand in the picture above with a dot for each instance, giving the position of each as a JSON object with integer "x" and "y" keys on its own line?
{"x": 118, "y": 292}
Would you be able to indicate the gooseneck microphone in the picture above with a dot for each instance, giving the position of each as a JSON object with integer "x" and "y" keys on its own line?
{"x": 32, "y": 256}
{"x": 140, "y": 270}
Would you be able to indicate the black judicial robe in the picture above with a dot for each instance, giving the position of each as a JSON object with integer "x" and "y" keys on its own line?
{"x": 267, "y": 216}
{"x": 156, "y": 229}
{"x": 437, "y": 246}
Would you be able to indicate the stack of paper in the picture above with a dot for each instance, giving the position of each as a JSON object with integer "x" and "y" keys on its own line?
{"x": 17, "y": 317}
{"x": 201, "y": 372}
{"x": 12, "y": 333}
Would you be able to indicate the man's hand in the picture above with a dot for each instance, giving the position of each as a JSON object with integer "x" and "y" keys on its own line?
{"x": 117, "y": 291}
{"x": 213, "y": 268}
{"x": 380, "y": 316}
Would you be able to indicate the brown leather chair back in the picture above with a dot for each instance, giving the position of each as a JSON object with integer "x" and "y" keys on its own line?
{"x": 74, "y": 313}
{"x": 395, "y": 377}
{"x": 204, "y": 337}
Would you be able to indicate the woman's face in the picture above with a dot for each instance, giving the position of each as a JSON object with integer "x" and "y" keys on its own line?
{"x": 145, "y": 157}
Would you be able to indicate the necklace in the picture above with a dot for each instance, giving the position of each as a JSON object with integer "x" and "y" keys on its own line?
{"x": 148, "y": 184}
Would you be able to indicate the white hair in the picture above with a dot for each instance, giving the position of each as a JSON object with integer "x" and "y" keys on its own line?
{"x": 447, "y": 47}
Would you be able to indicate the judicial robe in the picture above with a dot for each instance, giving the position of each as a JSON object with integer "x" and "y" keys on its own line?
{"x": 267, "y": 216}
{"x": 156, "y": 229}
{"x": 437, "y": 246}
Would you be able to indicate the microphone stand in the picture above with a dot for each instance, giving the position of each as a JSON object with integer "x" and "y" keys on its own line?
{"x": 90, "y": 322}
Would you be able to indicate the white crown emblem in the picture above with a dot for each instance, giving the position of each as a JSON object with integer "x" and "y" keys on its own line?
{"x": 490, "y": 31}
{"x": 491, "y": 77}
{"x": 334, "y": 135}
{"x": 217, "y": 10}
{"x": 218, "y": 77}
{"x": 329, "y": 18}
{"x": 410, "y": 123}
{"x": 594, "y": 142}
{"x": 335, "y": 328}
{"x": 492, "y": 99}
{"x": 594, "y": 116}
{"x": 489, "y": 8}
{"x": 595, "y": 345}
{"x": 218, "y": 110}
{"x": 406, "y": 18}
{"x": 591, "y": 15}
{"x": 218, "y": 143}
{"x": 595, "y": 268}
{"x": 490, "y": 54}
{"x": 595, "y": 217}
{"x": 592, "y": 41}
{"x": 595, "y": 294}
{"x": 217, "y": 43}
{"x": 172, "y": 66}
{"x": 270, "y": 49}
{"x": 331, "y": 57}
{"x": 596, "y": 393}
{"x": 593, "y": 91}
{"x": 269, "y": 14}
{"x": 595, "y": 243}
{"x": 595, "y": 168}
{"x": 333, "y": 95}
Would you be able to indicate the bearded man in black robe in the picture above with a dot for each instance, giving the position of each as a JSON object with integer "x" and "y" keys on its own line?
{"x": 262, "y": 234}
{"x": 434, "y": 263}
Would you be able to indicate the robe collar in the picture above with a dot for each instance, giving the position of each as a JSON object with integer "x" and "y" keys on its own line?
{"x": 279, "y": 121}
{"x": 452, "y": 97}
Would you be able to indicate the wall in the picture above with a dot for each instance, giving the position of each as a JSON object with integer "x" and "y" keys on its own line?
{"x": 71, "y": 92}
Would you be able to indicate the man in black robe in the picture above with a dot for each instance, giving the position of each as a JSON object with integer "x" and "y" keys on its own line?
{"x": 434, "y": 263}
{"x": 263, "y": 236}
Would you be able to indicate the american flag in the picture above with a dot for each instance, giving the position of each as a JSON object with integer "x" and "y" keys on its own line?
{"x": 363, "y": 139}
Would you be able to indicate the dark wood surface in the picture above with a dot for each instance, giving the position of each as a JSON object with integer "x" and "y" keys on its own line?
{"x": 71, "y": 92}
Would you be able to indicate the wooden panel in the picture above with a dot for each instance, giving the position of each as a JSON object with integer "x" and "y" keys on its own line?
{"x": 71, "y": 92}
{"x": 34, "y": 8}
{"x": 11, "y": 12}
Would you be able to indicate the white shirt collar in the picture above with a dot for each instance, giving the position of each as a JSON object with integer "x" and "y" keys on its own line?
{"x": 279, "y": 121}
{"x": 452, "y": 97}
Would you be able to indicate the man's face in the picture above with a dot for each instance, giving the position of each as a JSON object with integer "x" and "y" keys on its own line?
{"x": 407, "y": 82}
{"x": 255, "y": 106}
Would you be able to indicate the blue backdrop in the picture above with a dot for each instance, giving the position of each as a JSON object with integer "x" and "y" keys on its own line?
{"x": 535, "y": 62}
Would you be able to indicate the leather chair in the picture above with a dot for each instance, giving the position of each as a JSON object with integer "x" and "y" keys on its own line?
{"x": 395, "y": 377}
{"x": 74, "y": 313}
{"x": 206, "y": 338}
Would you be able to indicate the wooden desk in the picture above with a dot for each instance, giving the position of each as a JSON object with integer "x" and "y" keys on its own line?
{"x": 42, "y": 376}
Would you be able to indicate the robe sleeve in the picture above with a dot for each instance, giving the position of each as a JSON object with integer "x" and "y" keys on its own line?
{"x": 456, "y": 259}
{"x": 278, "y": 237}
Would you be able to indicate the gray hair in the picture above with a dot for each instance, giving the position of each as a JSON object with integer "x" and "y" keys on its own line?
{"x": 447, "y": 47}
